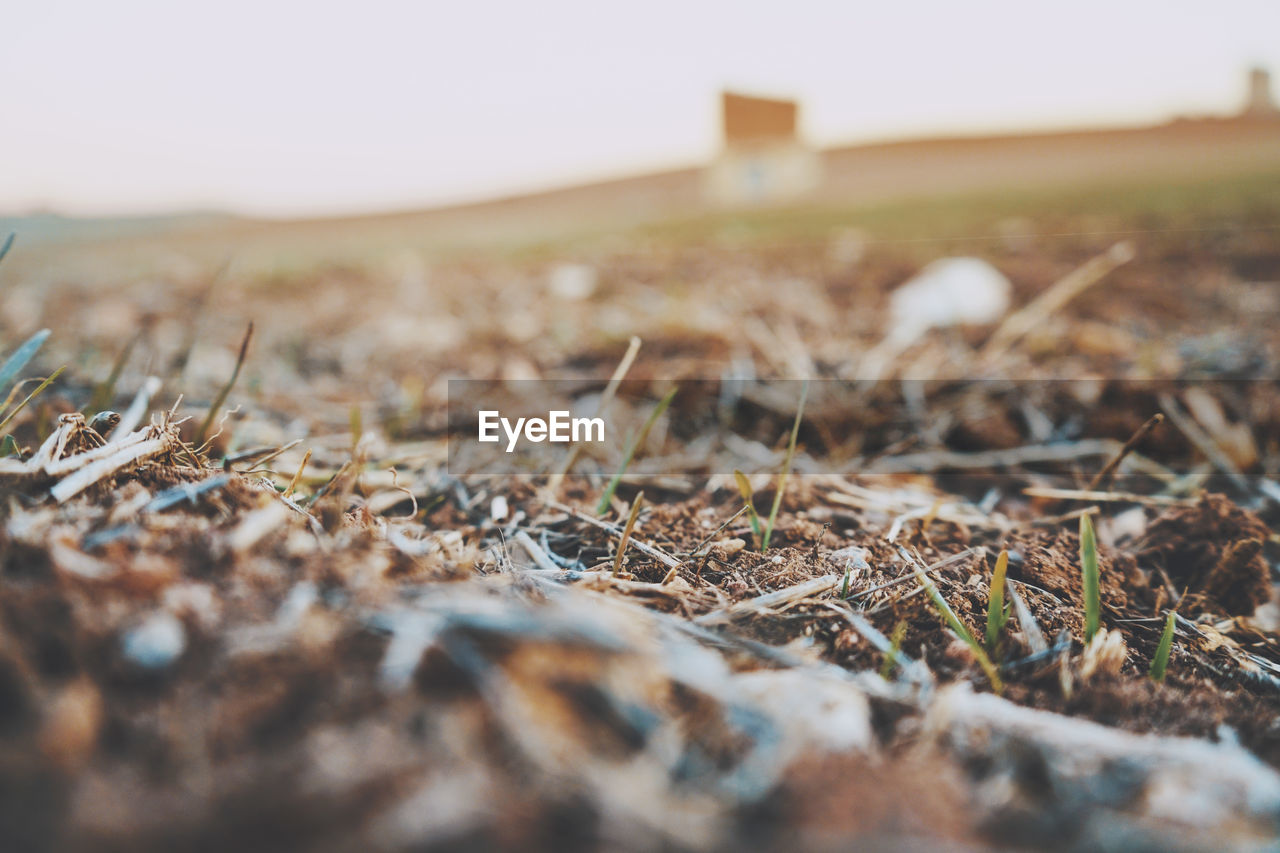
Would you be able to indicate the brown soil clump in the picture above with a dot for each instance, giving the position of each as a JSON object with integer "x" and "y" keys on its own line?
{"x": 1214, "y": 550}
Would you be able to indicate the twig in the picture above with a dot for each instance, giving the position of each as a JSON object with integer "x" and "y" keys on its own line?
{"x": 533, "y": 550}
{"x": 1051, "y": 520}
{"x": 1107, "y": 470}
{"x": 941, "y": 460}
{"x": 1104, "y": 497}
{"x": 716, "y": 532}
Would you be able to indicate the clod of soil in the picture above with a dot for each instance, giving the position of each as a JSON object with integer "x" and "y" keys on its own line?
{"x": 1214, "y": 550}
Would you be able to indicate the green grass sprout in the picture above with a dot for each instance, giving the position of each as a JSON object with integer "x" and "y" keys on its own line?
{"x": 1089, "y": 575}
{"x": 14, "y": 364}
{"x": 895, "y": 645}
{"x": 953, "y": 622}
{"x": 748, "y": 495}
{"x": 607, "y": 498}
{"x": 1160, "y": 662}
{"x": 997, "y": 610}
{"x": 786, "y": 469}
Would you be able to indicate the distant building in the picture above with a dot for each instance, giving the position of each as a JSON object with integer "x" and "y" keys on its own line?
{"x": 1258, "y": 102}
{"x": 763, "y": 159}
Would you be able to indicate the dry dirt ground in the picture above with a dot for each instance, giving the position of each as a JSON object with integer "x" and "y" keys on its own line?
{"x": 306, "y": 631}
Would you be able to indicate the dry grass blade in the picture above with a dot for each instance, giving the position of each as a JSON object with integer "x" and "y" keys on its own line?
{"x": 36, "y": 393}
{"x": 606, "y": 398}
{"x": 941, "y": 564}
{"x": 293, "y": 484}
{"x": 226, "y": 389}
{"x": 786, "y": 468}
{"x": 86, "y": 476}
{"x": 106, "y": 389}
{"x": 607, "y": 498}
{"x": 640, "y": 545}
{"x": 1027, "y": 622}
{"x": 771, "y": 600}
{"x": 261, "y": 456}
{"x": 1048, "y": 303}
{"x": 626, "y": 532}
{"x": 1202, "y": 441}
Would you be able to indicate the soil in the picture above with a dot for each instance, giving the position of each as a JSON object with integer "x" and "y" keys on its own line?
{"x": 388, "y": 664}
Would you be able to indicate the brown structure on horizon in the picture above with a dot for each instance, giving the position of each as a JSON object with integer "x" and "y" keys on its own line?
{"x": 763, "y": 159}
{"x": 1258, "y": 102}
{"x": 749, "y": 120}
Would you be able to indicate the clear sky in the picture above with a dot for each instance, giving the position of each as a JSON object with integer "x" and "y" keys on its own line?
{"x": 127, "y": 106}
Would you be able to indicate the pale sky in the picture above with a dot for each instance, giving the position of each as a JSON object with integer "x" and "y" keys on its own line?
{"x": 133, "y": 106}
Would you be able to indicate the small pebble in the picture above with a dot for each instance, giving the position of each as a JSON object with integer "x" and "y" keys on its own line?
{"x": 157, "y": 642}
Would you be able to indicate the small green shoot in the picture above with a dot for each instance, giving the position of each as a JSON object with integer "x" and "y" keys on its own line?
{"x": 226, "y": 389}
{"x": 895, "y": 645}
{"x": 626, "y": 532}
{"x": 953, "y": 622}
{"x": 744, "y": 488}
{"x": 14, "y": 364}
{"x": 607, "y": 498}
{"x": 36, "y": 393}
{"x": 1089, "y": 573}
{"x": 786, "y": 469}
{"x": 997, "y": 610}
{"x": 1160, "y": 662}
{"x": 844, "y": 587}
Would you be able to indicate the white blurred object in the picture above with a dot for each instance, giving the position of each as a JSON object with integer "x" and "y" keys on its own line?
{"x": 948, "y": 292}
{"x": 572, "y": 282}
